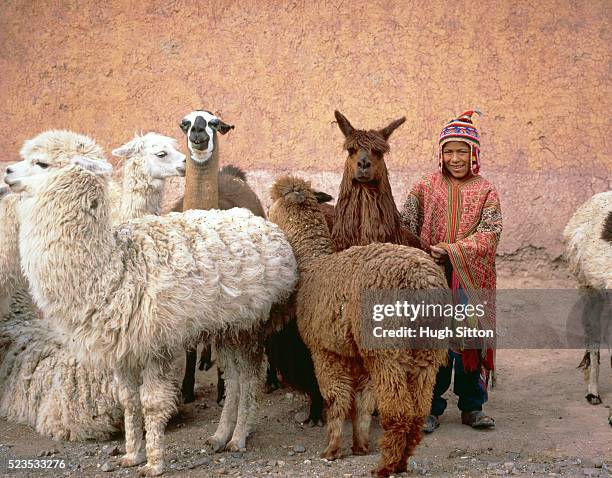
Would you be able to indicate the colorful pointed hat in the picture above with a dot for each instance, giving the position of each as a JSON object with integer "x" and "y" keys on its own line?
{"x": 462, "y": 129}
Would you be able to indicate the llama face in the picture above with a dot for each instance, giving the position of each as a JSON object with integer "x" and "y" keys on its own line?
{"x": 200, "y": 127}
{"x": 47, "y": 151}
{"x": 21, "y": 177}
{"x": 157, "y": 155}
{"x": 366, "y": 150}
{"x": 366, "y": 164}
{"x": 30, "y": 176}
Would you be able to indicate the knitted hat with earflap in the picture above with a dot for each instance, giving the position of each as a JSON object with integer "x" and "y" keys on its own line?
{"x": 462, "y": 129}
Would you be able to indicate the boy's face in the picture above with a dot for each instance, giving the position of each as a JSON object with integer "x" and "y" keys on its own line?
{"x": 456, "y": 158}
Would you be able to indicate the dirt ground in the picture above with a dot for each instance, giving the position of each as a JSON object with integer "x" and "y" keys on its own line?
{"x": 545, "y": 427}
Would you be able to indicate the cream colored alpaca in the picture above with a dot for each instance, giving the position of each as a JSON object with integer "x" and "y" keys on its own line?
{"x": 590, "y": 259}
{"x": 37, "y": 358}
{"x": 11, "y": 278}
{"x": 132, "y": 304}
{"x": 42, "y": 385}
{"x": 149, "y": 160}
{"x": 52, "y": 147}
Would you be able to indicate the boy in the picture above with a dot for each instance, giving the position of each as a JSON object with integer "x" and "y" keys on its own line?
{"x": 456, "y": 212}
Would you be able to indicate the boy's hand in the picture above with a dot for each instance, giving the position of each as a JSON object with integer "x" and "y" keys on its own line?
{"x": 438, "y": 254}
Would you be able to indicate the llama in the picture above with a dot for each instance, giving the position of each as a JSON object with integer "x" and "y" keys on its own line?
{"x": 49, "y": 147}
{"x": 131, "y": 304}
{"x": 365, "y": 211}
{"x": 208, "y": 188}
{"x": 329, "y": 320}
{"x": 588, "y": 240}
{"x": 42, "y": 385}
{"x": 287, "y": 352}
{"x": 149, "y": 160}
{"x": 11, "y": 278}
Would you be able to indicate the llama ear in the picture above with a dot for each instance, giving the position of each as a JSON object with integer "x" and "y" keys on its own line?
{"x": 185, "y": 124}
{"x": 344, "y": 124}
{"x": 387, "y": 130}
{"x": 322, "y": 197}
{"x": 128, "y": 149}
{"x": 97, "y": 167}
{"x": 224, "y": 127}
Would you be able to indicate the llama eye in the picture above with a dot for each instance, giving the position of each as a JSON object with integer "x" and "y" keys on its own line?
{"x": 43, "y": 165}
{"x": 351, "y": 151}
{"x": 161, "y": 154}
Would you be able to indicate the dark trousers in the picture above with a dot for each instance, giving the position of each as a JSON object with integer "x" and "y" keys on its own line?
{"x": 472, "y": 395}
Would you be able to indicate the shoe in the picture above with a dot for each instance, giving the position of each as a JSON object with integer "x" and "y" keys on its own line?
{"x": 431, "y": 423}
{"x": 477, "y": 419}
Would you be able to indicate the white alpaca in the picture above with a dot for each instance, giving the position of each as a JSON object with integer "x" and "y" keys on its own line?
{"x": 53, "y": 147}
{"x": 589, "y": 254}
{"x": 42, "y": 385}
{"x": 10, "y": 268}
{"x": 133, "y": 303}
{"x": 36, "y": 357}
{"x": 149, "y": 160}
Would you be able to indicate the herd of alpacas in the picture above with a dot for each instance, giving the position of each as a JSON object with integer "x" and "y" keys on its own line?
{"x": 101, "y": 295}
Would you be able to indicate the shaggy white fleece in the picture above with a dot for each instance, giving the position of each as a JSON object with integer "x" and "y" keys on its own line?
{"x": 132, "y": 302}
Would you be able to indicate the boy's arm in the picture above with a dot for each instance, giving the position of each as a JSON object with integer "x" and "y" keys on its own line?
{"x": 412, "y": 211}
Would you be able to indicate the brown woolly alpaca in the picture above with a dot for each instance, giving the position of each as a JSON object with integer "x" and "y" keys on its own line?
{"x": 329, "y": 321}
{"x": 365, "y": 211}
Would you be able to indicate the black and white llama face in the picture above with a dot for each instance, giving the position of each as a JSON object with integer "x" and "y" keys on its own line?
{"x": 200, "y": 127}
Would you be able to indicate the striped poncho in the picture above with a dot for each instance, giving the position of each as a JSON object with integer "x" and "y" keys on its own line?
{"x": 464, "y": 218}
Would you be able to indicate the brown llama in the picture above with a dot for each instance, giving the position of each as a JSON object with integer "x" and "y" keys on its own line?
{"x": 328, "y": 309}
{"x": 365, "y": 211}
{"x": 208, "y": 188}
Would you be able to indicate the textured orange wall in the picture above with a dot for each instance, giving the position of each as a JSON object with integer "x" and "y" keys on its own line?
{"x": 538, "y": 70}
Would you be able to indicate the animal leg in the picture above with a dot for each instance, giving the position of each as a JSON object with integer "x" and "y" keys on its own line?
{"x": 206, "y": 361}
{"x": 315, "y": 417}
{"x": 361, "y": 415}
{"x": 220, "y": 387}
{"x": 158, "y": 398}
{"x": 226, "y": 360}
{"x": 252, "y": 366}
{"x": 421, "y": 385}
{"x": 336, "y": 383}
{"x": 187, "y": 390}
{"x": 593, "y": 385}
{"x": 403, "y": 400}
{"x": 127, "y": 390}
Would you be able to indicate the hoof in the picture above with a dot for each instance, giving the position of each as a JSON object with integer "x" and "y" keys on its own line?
{"x": 214, "y": 444}
{"x": 131, "y": 459}
{"x": 593, "y": 399}
{"x": 236, "y": 445}
{"x": 332, "y": 455}
{"x": 151, "y": 470}
{"x": 360, "y": 450}
{"x": 271, "y": 387}
{"x": 383, "y": 472}
{"x": 314, "y": 422}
